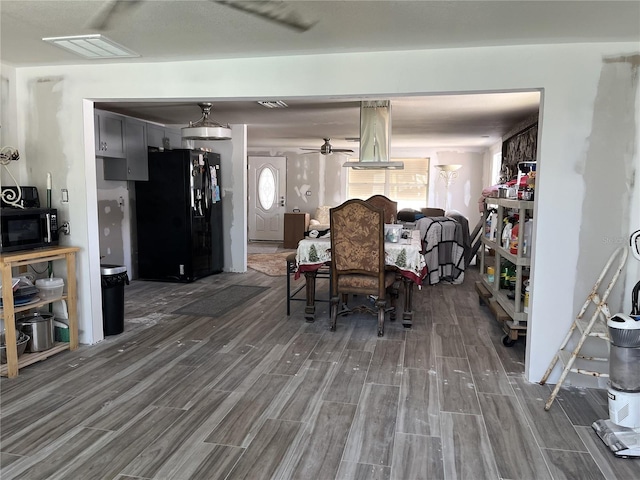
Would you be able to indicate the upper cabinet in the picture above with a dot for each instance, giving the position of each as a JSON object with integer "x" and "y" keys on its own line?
{"x": 109, "y": 134}
{"x": 163, "y": 137}
{"x": 122, "y": 141}
{"x": 136, "y": 145}
{"x": 134, "y": 164}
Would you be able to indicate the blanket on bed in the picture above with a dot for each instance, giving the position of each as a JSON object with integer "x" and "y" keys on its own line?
{"x": 444, "y": 250}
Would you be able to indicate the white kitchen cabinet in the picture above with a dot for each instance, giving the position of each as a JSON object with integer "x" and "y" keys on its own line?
{"x": 109, "y": 134}
{"x": 134, "y": 165}
{"x": 511, "y": 303}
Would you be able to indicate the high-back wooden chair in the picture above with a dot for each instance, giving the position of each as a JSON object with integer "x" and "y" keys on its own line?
{"x": 389, "y": 207}
{"x": 358, "y": 259}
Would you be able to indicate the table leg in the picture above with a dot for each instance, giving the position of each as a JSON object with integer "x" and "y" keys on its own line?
{"x": 310, "y": 309}
{"x": 407, "y": 314}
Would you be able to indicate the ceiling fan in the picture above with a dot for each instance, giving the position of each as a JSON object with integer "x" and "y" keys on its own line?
{"x": 327, "y": 149}
{"x": 276, "y": 11}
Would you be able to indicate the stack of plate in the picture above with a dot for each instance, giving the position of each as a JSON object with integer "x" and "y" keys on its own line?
{"x": 23, "y": 293}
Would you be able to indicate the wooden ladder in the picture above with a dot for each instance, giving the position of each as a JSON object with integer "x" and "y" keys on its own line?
{"x": 591, "y": 328}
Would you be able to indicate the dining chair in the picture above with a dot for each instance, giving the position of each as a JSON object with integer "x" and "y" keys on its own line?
{"x": 358, "y": 260}
{"x": 389, "y": 207}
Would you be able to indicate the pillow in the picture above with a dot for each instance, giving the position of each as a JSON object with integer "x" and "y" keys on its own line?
{"x": 322, "y": 215}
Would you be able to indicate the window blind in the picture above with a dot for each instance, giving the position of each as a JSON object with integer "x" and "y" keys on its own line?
{"x": 408, "y": 187}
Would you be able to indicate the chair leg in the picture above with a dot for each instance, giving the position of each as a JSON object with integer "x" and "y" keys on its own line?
{"x": 345, "y": 299}
{"x": 381, "y": 308}
{"x": 288, "y": 288}
{"x": 334, "y": 313}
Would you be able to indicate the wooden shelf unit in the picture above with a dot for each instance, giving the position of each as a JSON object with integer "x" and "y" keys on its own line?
{"x": 8, "y": 313}
{"x": 514, "y": 308}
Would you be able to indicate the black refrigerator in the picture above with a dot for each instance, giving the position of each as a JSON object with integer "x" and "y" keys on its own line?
{"x": 179, "y": 216}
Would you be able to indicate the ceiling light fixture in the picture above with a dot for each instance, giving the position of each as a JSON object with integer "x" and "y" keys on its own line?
{"x": 205, "y": 129}
{"x": 94, "y": 47}
{"x": 273, "y": 104}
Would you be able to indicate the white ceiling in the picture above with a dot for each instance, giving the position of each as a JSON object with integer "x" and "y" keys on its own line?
{"x": 162, "y": 30}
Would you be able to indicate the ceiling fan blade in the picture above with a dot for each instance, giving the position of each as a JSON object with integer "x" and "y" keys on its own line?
{"x": 110, "y": 10}
{"x": 341, "y": 150}
{"x": 273, "y": 10}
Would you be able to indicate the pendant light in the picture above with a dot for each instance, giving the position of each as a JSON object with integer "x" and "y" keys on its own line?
{"x": 206, "y": 129}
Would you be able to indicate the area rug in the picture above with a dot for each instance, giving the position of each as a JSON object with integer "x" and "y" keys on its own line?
{"x": 273, "y": 264}
{"x": 219, "y": 303}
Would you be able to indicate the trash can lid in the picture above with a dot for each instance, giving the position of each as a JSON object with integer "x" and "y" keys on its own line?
{"x": 112, "y": 269}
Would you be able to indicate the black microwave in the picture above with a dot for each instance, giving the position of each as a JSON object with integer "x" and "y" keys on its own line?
{"x": 28, "y": 228}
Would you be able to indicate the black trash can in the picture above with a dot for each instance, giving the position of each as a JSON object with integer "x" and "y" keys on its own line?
{"x": 112, "y": 280}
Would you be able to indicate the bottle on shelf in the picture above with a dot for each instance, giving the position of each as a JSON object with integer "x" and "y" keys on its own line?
{"x": 490, "y": 274}
{"x": 528, "y": 232}
{"x": 506, "y": 236}
{"x": 513, "y": 243}
{"x": 490, "y": 227}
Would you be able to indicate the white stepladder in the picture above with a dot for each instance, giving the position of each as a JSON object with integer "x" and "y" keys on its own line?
{"x": 590, "y": 328}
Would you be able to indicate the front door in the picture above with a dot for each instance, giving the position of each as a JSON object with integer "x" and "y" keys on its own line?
{"x": 267, "y": 188}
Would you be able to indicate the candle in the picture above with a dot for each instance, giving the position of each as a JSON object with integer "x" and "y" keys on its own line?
{"x": 48, "y": 180}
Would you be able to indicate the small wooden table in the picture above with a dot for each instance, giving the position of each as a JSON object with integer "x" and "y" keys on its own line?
{"x": 7, "y": 313}
{"x": 313, "y": 253}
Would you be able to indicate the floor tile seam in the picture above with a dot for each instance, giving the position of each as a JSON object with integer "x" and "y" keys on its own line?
{"x": 122, "y": 428}
{"x": 520, "y": 398}
{"x": 132, "y": 368}
{"x": 506, "y": 375}
{"x": 16, "y": 436}
{"x": 46, "y": 451}
{"x": 18, "y": 404}
{"x": 482, "y": 421}
{"x": 244, "y": 449}
{"x": 418, "y": 434}
{"x": 570, "y": 450}
{"x": 523, "y": 416}
{"x": 479, "y": 386}
{"x": 385, "y": 384}
{"x": 355, "y": 415}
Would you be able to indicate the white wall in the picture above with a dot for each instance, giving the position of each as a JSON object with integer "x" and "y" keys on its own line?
{"x": 50, "y": 103}
{"x": 9, "y": 131}
{"x": 324, "y": 177}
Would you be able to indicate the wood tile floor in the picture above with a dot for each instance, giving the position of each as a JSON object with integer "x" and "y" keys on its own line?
{"x": 255, "y": 394}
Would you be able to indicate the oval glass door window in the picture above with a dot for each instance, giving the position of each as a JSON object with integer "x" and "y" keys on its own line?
{"x": 266, "y": 188}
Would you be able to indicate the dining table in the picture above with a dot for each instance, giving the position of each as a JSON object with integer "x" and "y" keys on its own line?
{"x": 405, "y": 256}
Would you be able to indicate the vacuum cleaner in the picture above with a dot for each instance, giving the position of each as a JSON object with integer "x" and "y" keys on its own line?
{"x": 621, "y": 431}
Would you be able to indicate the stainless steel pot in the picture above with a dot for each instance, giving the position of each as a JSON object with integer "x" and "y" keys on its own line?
{"x": 39, "y": 327}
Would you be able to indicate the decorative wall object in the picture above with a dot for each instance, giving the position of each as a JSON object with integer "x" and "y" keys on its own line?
{"x": 521, "y": 147}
